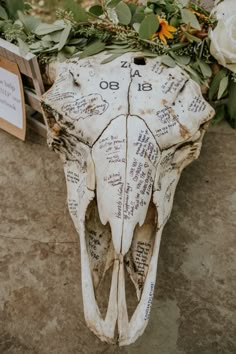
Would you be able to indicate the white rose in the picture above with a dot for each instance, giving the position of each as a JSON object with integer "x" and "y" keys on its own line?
{"x": 223, "y": 37}
{"x": 224, "y": 9}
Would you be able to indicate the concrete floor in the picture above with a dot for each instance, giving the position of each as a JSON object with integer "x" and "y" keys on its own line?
{"x": 40, "y": 293}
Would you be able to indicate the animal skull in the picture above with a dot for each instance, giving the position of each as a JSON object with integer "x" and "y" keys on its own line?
{"x": 125, "y": 131}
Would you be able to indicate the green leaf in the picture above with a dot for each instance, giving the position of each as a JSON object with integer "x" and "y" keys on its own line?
{"x": 232, "y": 104}
{"x": 214, "y": 87}
{"x": 96, "y": 10}
{"x": 193, "y": 74}
{"x": 46, "y": 28}
{"x": 80, "y": 15}
{"x": 183, "y": 3}
{"x": 192, "y": 38}
{"x": 64, "y": 36}
{"x": 189, "y": 17}
{"x": 223, "y": 86}
{"x": 174, "y": 21}
{"x": 35, "y": 45}
{"x": 92, "y": 49}
{"x": 181, "y": 59}
{"x": 205, "y": 69}
{"x": 139, "y": 15}
{"x": 148, "y": 11}
{"x": 3, "y": 13}
{"x": 111, "y": 58}
{"x": 55, "y": 36}
{"x": 78, "y": 41}
{"x": 177, "y": 46}
{"x": 13, "y": 6}
{"x": 136, "y": 26}
{"x": 123, "y": 13}
{"x": 47, "y": 44}
{"x": 148, "y": 26}
{"x": 24, "y": 48}
{"x": 149, "y": 54}
{"x": 69, "y": 50}
{"x": 30, "y": 23}
{"x": 113, "y": 3}
{"x": 168, "y": 61}
{"x": 219, "y": 115}
{"x": 132, "y": 8}
{"x": 51, "y": 49}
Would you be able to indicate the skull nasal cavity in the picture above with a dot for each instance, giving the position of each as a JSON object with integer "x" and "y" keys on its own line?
{"x": 140, "y": 61}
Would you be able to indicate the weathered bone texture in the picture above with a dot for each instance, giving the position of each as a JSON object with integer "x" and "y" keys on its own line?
{"x": 125, "y": 130}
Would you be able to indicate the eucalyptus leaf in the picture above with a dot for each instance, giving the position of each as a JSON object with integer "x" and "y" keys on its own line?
{"x": 193, "y": 74}
{"x": 96, "y": 10}
{"x": 232, "y": 103}
{"x": 149, "y": 54}
{"x": 92, "y": 49}
{"x": 35, "y": 45}
{"x": 117, "y": 46}
{"x": 132, "y": 8}
{"x": 30, "y": 23}
{"x": 111, "y": 58}
{"x": 205, "y": 69}
{"x": 61, "y": 57}
{"x": 122, "y": 51}
{"x": 48, "y": 37}
{"x": 168, "y": 61}
{"x": 52, "y": 49}
{"x": 47, "y": 44}
{"x": 189, "y": 17}
{"x": 113, "y": 3}
{"x": 222, "y": 87}
{"x": 77, "y": 41}
{"x": 56, "y": 36}
{"x": 80, "y": 15}
{"x": 148, "y": 11}
{"x": 181, "y": 59}
{"x": 69, "y": 50}
{"x": 13, "y": 6}
{"x": 175, "y": 21}
{"x": 183, "y": 3}
{"x": 136, "y": 26}
{"x": 64, "y": 36}
{"x": 3, "y": 13}
{"x": 177, "y": 46}
{"x": 45, "y": 28}
{"x": 214, "y": 87}
{"x": 123, "y": 13}
{"x": 139, "y": 15}
{"x": 148, "y": 26}
{"x": 24, "y": 48}
{"x": 192, "y": 38}
{"x": 219, "y": 114}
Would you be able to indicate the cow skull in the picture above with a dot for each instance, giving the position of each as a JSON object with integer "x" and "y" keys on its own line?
{"x": 125, "y": 130}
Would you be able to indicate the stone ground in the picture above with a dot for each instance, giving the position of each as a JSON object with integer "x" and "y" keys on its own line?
{"x": 40, "y": 293}
{"x": 41, "y": 308}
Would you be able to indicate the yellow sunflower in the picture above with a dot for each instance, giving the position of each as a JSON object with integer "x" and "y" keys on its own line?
{"x": 164, "y": 30}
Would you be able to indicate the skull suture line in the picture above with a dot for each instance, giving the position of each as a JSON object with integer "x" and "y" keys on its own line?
{"x": 125, "y": 130}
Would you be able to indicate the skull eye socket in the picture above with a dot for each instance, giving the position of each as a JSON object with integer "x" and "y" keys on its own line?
{"x": 139, "y": 61}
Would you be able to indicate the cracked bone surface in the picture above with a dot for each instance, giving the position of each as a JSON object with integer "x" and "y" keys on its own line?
{"x": 125, "y": 130}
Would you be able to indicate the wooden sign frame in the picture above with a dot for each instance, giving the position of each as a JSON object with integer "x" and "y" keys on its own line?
{"x": 4, "y": 124}
{"x": 28, "y": 66}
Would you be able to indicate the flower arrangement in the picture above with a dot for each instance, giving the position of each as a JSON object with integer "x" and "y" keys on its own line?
{"x": 179, "y": 32}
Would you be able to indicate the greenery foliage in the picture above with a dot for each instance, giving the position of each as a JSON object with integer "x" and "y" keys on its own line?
{"x": 174, "y": 30}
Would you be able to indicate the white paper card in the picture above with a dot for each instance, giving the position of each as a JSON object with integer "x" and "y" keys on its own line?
{"x": 10, "y": 98}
